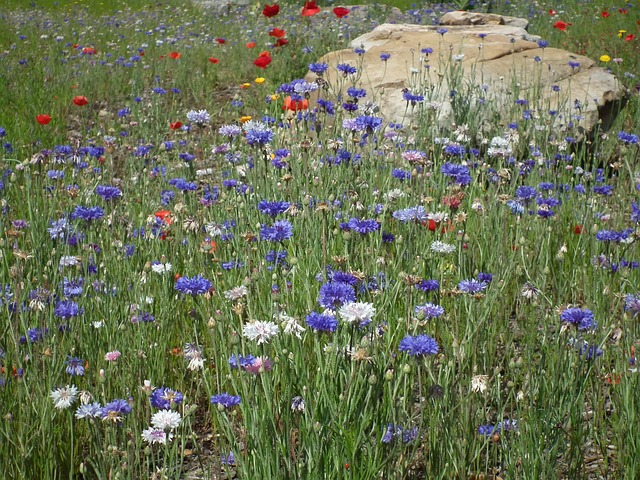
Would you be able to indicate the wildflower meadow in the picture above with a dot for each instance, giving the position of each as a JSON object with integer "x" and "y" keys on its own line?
{"x": 217, "y": 265}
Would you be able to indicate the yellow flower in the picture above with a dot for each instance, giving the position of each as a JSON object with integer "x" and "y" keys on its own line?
{"x": 605, "y": 58}
{"x": 274, "y": 97}
{"x": 621, "y": 33}
{"x": 245, "y": 118}
{"x": 259, "y": 80}
{"x": 245, "y": 85}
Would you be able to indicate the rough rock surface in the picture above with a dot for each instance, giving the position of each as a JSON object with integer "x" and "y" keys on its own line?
{"x": 486, "y": 62}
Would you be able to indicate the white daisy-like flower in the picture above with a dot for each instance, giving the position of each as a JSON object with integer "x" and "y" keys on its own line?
{"x": 356, "y": 312}
{"x": 166, "y": 420}
{"x": 438, "y": 217}
{"x": 236, "y": 293}
{"x": 441, "y": 247}
{"x": 260, "y": 331}
{"x": 290, "y": 325}
{"x": 64, "y": 397}
{"x": 161, "y": 268}
{"x": 153, "y": 435}
{"x": 68, "y": 261}
{"x": 479, "y": 383}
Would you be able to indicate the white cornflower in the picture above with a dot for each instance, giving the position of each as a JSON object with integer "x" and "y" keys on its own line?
{"x": 93, "y": 410}
{"x": 260, "y": 331}
{"x": 356, "y": 312}
{"x": 64, "y": 397}
{"x": 236, "y": 293}
{"x": 166, "y": 420}
{"x": 153, "y": 435}
{"x": 438, "y": 217}
{"x": 199, "y": 117}
{"x": 69, "y": 261}
{"x": 394, "y": 195}
{"x": 193, "y": 353}
{"x": 161, "y": 268}
{"x": 441, "y": 247}
{"x": 290, "y": 325}
{"x": 479, "y": 383}
{"x": 529, "y": 291}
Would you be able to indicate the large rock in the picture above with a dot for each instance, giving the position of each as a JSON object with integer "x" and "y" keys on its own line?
{"x": 482, "y": 65}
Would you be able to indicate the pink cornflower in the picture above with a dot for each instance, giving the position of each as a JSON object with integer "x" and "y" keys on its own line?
{"x": 260, "y": 365}
{"x": 112, "y": 356}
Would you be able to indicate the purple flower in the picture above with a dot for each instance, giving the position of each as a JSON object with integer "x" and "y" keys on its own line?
{"x": 108, "y": 192}
{"x": 321, "y": 323}
{"x": 632, "y": 304}
{"x": 613, "y": 235}
{"x": 273, "y": 209}
{"x": 67, "y": 309}
{"x": 87, "y": 213}
{"x": 238, "y": 361}
{"x": 193, "y": 286}
{"x": 318, "y": 68}
{"x": 526, "y": 192}
{"x": 472, "y": 286}
{"x": 419, "y": 345}
{"x": 164, "y": 398}
{"x": 115, "y": 410}
{"x": 224, "y": 400}
{"x": 362, "y": 226}
{"x": 335, "y": 294}
{"x": 582, "y": 318}
{"x": 278, "y": 232}
{"x": 429, "y": 310}
{"x": 75, "y": 366}
{"x": 428, "y": 285}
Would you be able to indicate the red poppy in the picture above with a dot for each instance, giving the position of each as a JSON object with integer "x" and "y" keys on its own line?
{"x": 341, "y": 12}
{"x": 629, "y": 37}
{"x": 295, "y": 105}
{"x": 175, "y": 125}
{"x": 221, "y": 41}
{"x": 310, "y": 8}
{"x": 174, "y": 55}
{"x": 80, "y": 100}
{"x": 263, "y": 60}
{"x": 277, "y": 32}
{"x": 43, "y": 119}
{"x": 281, "y": 42}
{"x": 271, "y": 10}
{"x": 164, "y": 215}
{"x": 214, "y": 60}
{"x": 605, "y": 14}
{"x": 552, "y": 12}
{"x": 560, "y": 25}
{"x": 578, "y": 229}
{"x": 251, "y": 44}
{"x": 89, "y": 51}
{"x": 623, "y": 11}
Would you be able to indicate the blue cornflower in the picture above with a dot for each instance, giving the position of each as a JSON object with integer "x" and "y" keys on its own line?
{"x": 412, "y": 213}
{"x": 428, "y": 310}
{"x": 335, "y": 294}
{"x": 193, "y": 286}
{"x": 238, "y": 361}
{"x": 164, "y": 398}
{"x": 322, "y": 322}
{"x": 66, "y": 309}
{"x": 72, "y": 288}
{"x": 108, "y": 192}
{"x": 591, "y": 350}
{"x": 75, "y": 366}
{"x": 488, "y": 430}
{"x": 526, "y": 192}
{"x": 278, "y": 232}
{"x": 91, "y": 410}
{"x": 224, "y": 400}
{"x": 582, "y": 318}
{"x": 635, "y": 212}
{"x": 273, "y": 209}
{"x": 613, "y": 235}
{"x": 428, "y": 285}
{"x": 419, "y": 345}
{"x": 115, "y": 410}
{"x": 87, "y": 213}
{"x": 36, "y": 334}
{"x": 632, "y": 304}
{"x": 412, "y": 98}
{"x": 400, "y": 174}
{"x": 543, "y": 43}
{"x": 368, "y": 123}
{"x": 230, "y": 131}
{"x": 472, "y": 286}
{"x": 628, "y": 138}
{"x": 605, "y": 190}
{"x": 58, "y": 228}
{"x": 442, "y": 31}
{"x": 344, "y": 277}
{"x": 166, "y": 196}
{"x": 183, "y": 185}
{"x": 460, "y": 173}
{"x": 346, "y": 69}
{"x": 363, "y": 226}
{"x": 318, "y": 68}
{"x": 354, "y": 92}
{"x": 485, "y": 277}
{"x": 427, "y": 51}
{"x": 258, "y": 133}
{"x": 385, "y": 56}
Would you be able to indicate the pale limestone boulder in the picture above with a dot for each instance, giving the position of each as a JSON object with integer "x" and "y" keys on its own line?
{"x": 488, "y": 59}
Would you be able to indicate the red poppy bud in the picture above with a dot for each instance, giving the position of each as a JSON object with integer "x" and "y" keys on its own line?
{"x": 80, "y": 100}
{"x": 175, "y": 126}
{"x": 43, "y": 119}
